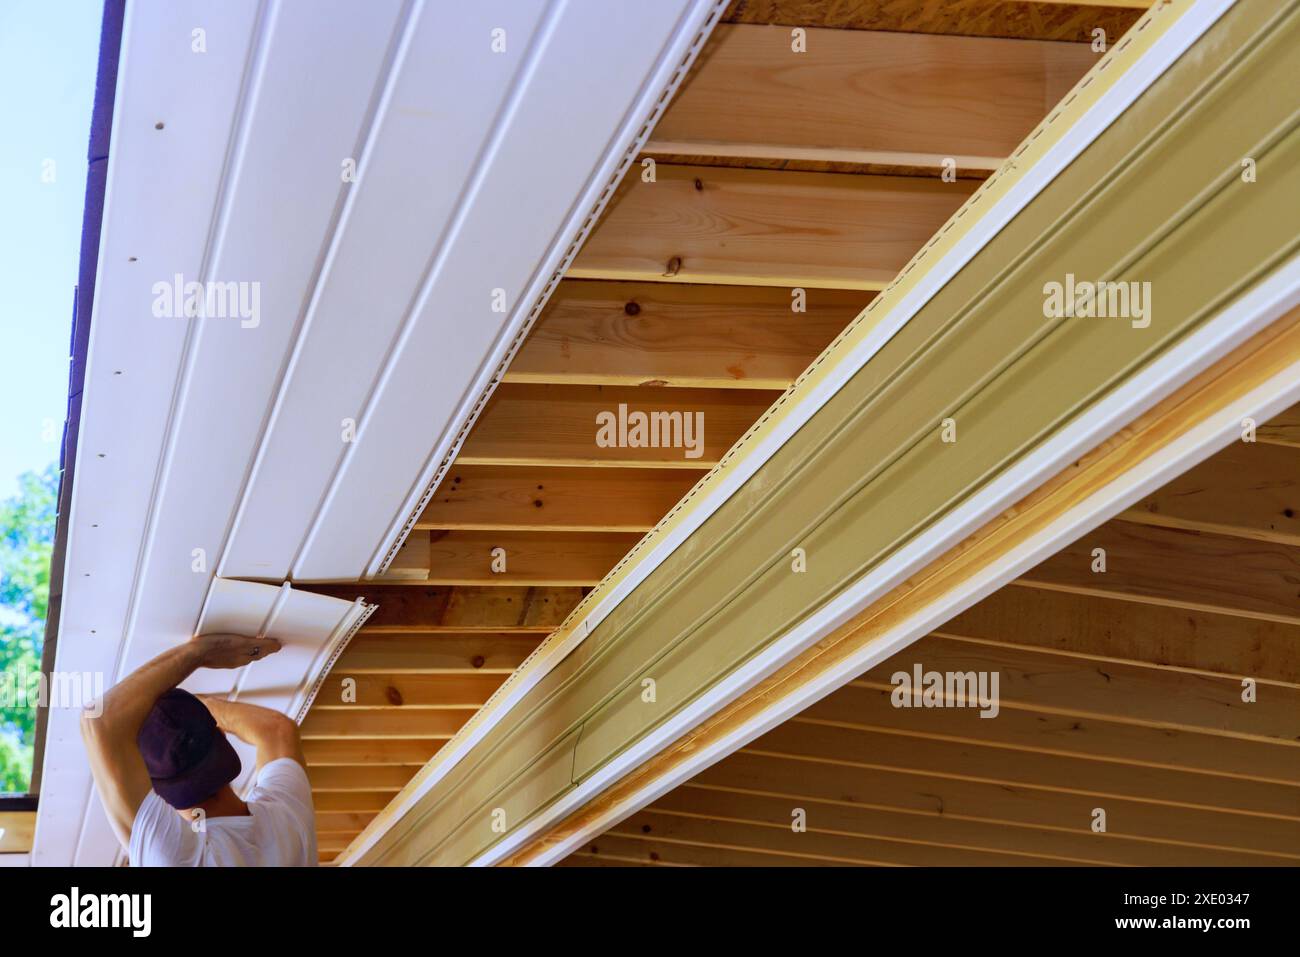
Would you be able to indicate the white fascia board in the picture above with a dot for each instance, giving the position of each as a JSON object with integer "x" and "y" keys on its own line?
{"x": 598, "y": 75}
{"x": 742, "y": 464}
{"x": 232, "y": 189}
{"x": 1234, "y": 325}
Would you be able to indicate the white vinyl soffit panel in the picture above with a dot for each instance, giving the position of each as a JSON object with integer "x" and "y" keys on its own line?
{"x": 348, "y": 186}
{"x": 450, "y": 237}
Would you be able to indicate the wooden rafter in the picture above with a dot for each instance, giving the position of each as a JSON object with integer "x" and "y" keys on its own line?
{"x": 767, "y": 228}
{"x": 661, "y": 334}
{"x": 867, "y": 98}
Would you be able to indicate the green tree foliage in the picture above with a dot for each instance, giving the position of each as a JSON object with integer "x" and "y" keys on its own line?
{"x": 26, "y": 543}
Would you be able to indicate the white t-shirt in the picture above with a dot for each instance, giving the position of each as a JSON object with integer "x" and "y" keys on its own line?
{"x": 279, "y": 831}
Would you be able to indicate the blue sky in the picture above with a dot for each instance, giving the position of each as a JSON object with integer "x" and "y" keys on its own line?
{"x": 49, "y": 50}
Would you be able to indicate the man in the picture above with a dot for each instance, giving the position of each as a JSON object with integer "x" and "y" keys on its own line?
{"x": 163, "y": 766}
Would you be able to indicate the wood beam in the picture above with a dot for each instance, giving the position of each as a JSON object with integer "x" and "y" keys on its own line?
{"x": 493, "y": 653}
{"x": 401, "y": 689}
{"x": 865, "y": 97}
{"x": 524, "y": 557}
{"x": 509, "y": 498}
{"x": 409, "y": 722}
{"x": 699, "y": 224}
{"x": 558, "y": 425}
{"x": 737, "y": 337}
{"x": 333, "y": 751}
{"x": 1184, "y": 569}
{"x": 458, "y": 609}
{"x": 342, "y": 821}
{"x": 359, "y": 777}
{"x": 352, "y": 802}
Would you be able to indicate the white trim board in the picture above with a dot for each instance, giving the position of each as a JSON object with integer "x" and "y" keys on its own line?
{"x": 744, "y": 460}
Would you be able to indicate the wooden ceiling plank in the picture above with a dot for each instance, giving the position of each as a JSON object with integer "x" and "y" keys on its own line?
{"x": 1282, "y": 429}
{"x": 352, "y": 802}
{"x": 359, "y": 777}
{"x": 866, "y": 97}
{"x": 525, "y": 557}
{"x": 1249, "y": 490}
{"x": 485, "y": 653}
{"x": 559, "y": 425}
{"x": 1102, "y": 628}
{"x": 940, "y": 829}
{"x": 1184, "y": 568}
{"x": 459, "y": 609}
{"x": 411, "y": 563}
{"x": 697, "y": 224}
{"x": 608, "y": 860}
{"x": 661, "y": 334}
{"x": 620, "y": 848}
{"x": 509, "y": 498}
{"x": 342, "y": 821}
{"x": 1049, "y": 772}
{"x": 328, "y": 845}
{"x": 1112, "y": 690}
{"x": 396, "y": 690}
{"x": 322, "y": 752}
{"x": 917, "y": 792}
{"x": 1068, "y": 734}
{"x": 839, "y": 848}
{"x": 358, "y": 722}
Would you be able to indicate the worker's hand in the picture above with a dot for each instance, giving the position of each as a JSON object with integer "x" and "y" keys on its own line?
{"x": 232, "y": 651}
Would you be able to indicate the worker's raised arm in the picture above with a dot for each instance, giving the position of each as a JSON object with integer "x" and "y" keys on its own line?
{"x": 273, "y": 734}
{"x": 111, "y": 725}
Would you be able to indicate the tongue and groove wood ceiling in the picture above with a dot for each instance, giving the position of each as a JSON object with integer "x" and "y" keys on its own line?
{"x": 773, "y": 171}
